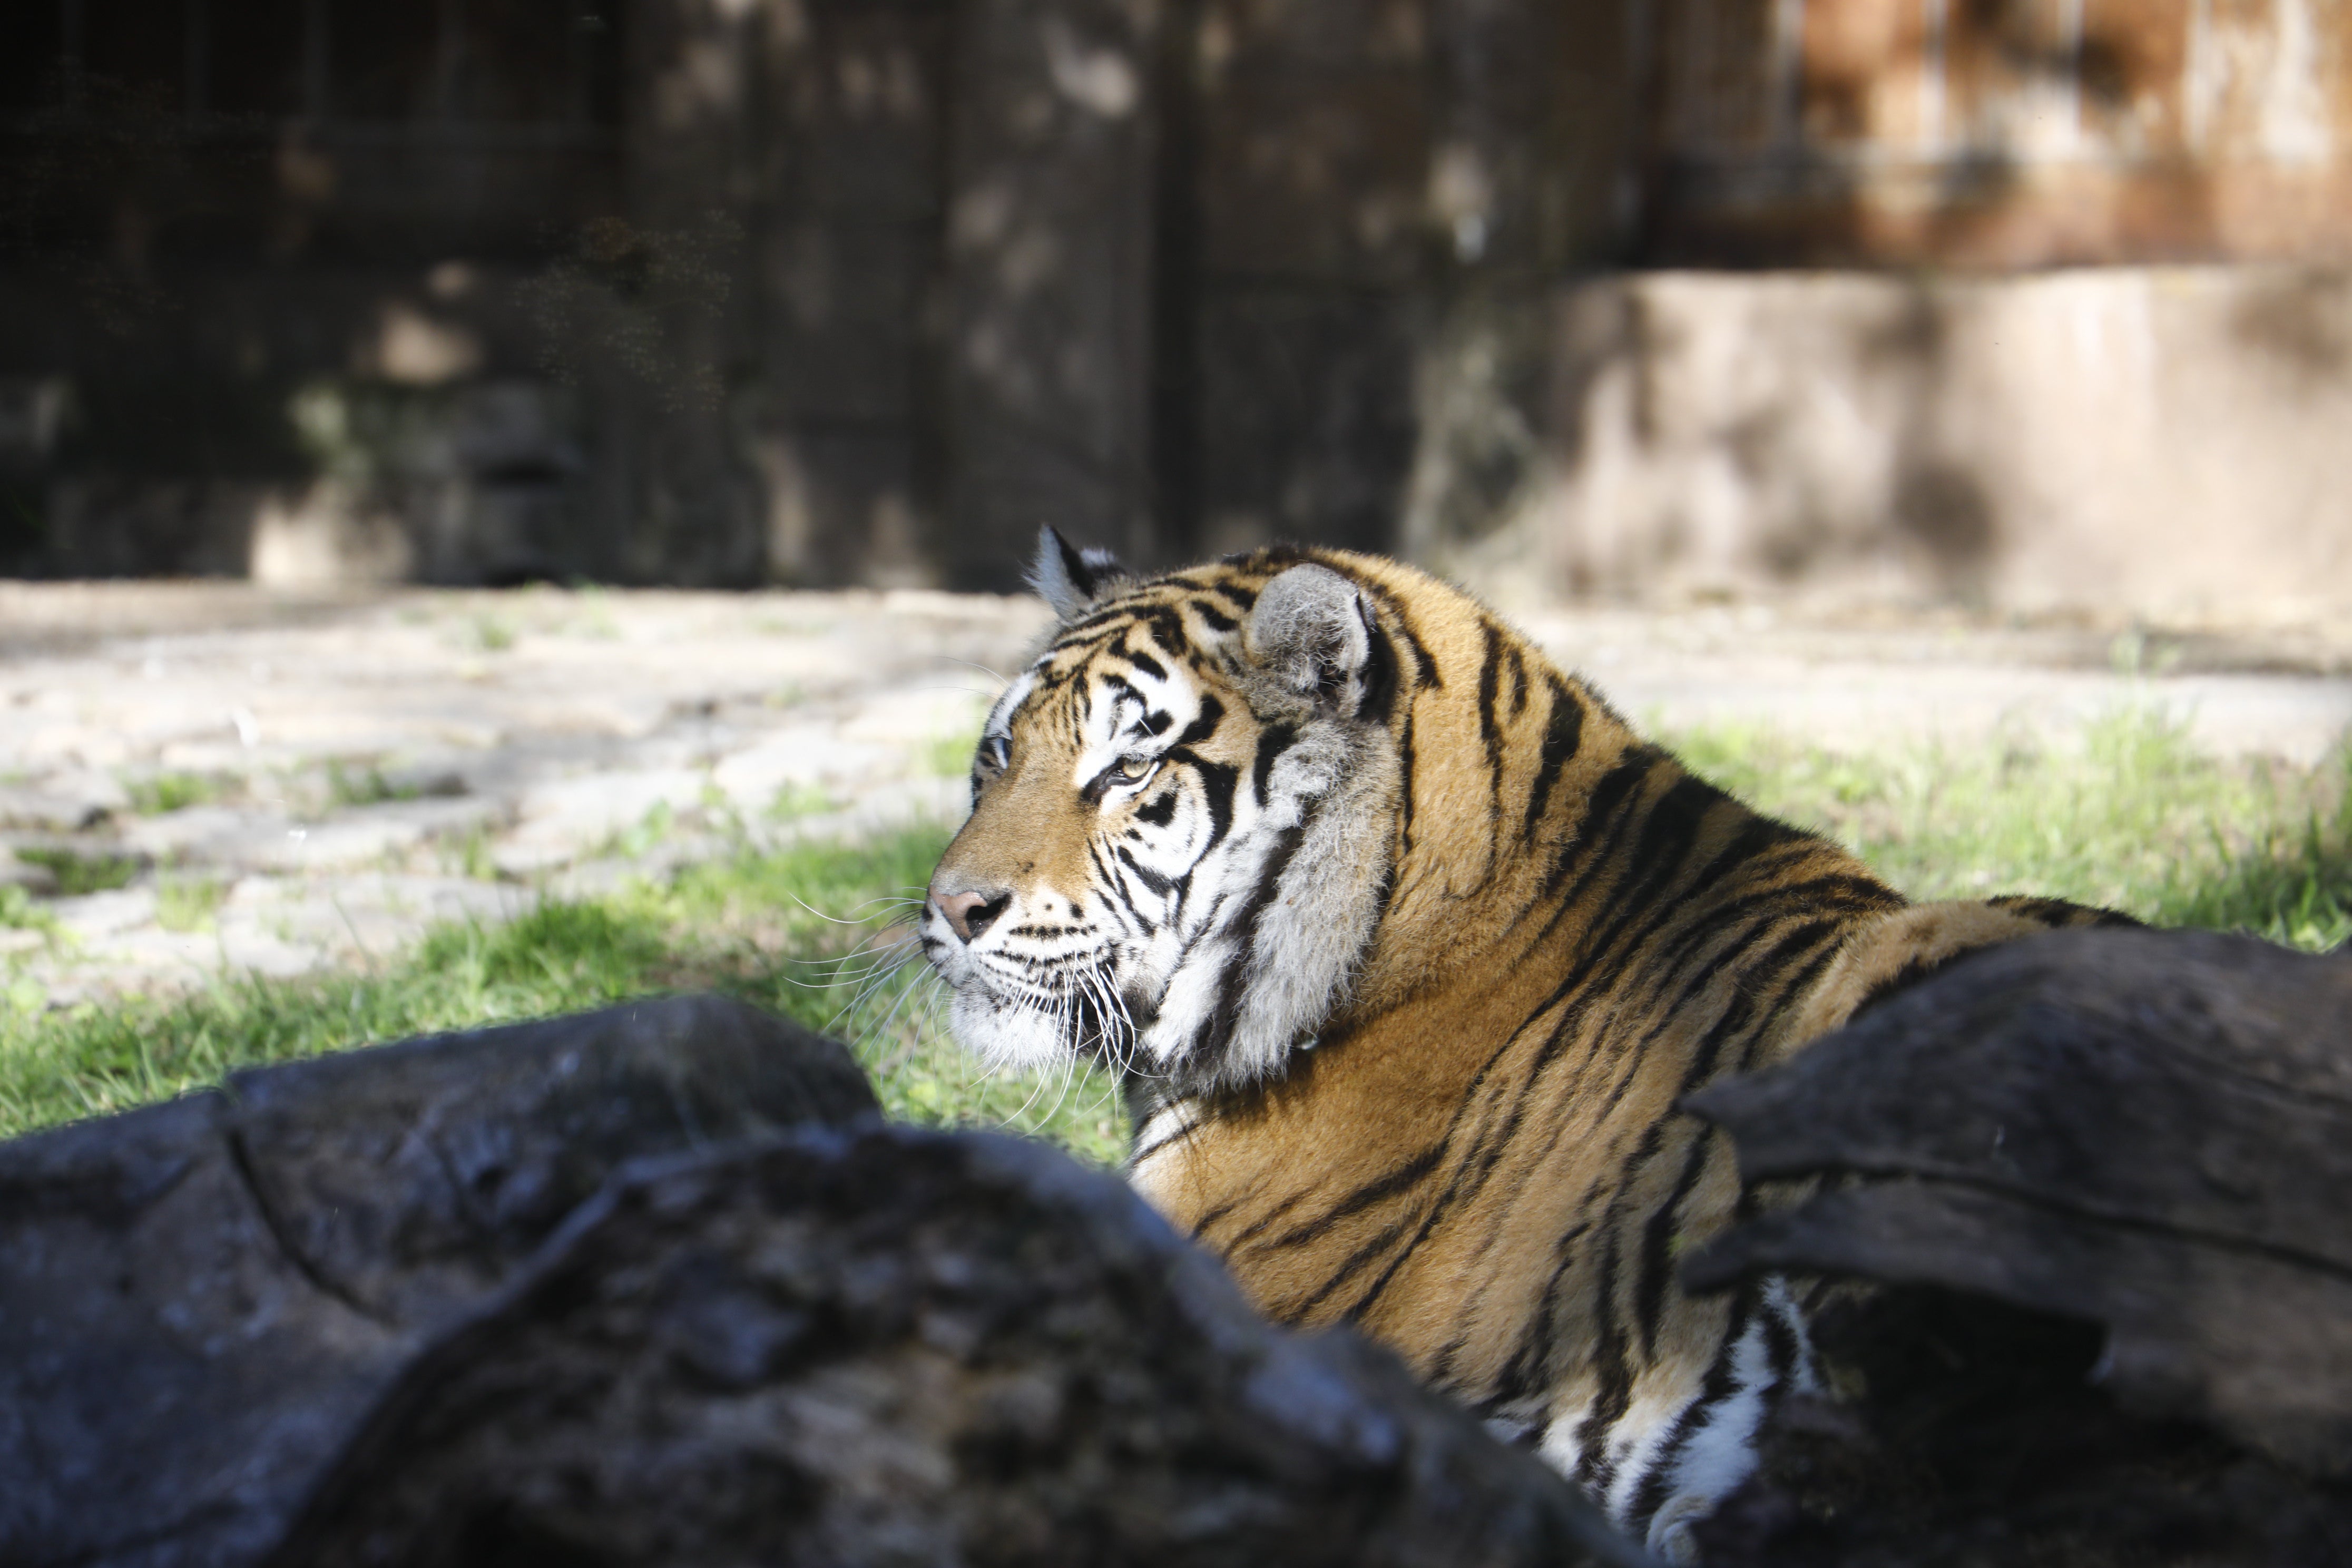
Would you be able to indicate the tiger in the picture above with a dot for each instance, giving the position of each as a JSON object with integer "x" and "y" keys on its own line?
{"x": 1404, "y": 945}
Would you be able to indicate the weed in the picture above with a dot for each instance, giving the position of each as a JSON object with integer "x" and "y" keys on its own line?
{"x": 364, "y": 786}
{"x": 20, "y": 911}
{"x": 170, "y": 791}
{"x": 469, "y": 855}
{"x": 659, "y": 823}
{"x": 188, "y": 903}
{"x": 950, "y": 756}
{"x": 78, "y": 874}
{"x": 797, "y": 800}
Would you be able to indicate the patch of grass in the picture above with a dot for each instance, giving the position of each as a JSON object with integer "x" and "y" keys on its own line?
{"x": 807, "y": 932}
{"x": 78, "y": 874}
{"x": 188, "y": 903}
{"x": 170, "y": 791}
{"x": 2129, "y": 816}
{"x": 468, "y": 855}
{"x": 798, "y": 800}
{"x": 493, "y": 635}
{"x": 950, "y": 756}
{"x": 364, "y": 786}
{"x": 20, "y": 911}
{"x": 639, "y": 839}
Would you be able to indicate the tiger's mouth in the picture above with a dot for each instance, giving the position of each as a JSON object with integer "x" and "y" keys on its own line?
{"x": 1021, "y": 1012}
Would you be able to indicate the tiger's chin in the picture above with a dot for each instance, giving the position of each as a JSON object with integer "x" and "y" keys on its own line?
{"x": 1019, "y": 1035}
{"x": 1183, "y": 1032}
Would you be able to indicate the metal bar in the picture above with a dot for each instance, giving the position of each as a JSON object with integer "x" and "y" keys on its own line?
{"x": 196, "y": 62}
{"x": 70, "y": 51}
{"x": 316, "y": 61}
{"x": 1785, "y": 113}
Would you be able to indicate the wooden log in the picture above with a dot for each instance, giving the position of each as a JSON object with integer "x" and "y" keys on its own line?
{"x": 2151, "y": 1131}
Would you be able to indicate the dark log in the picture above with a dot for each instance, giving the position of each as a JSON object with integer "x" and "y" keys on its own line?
{"x": 894, "y": 1347}
{"x": 2108, "y": 1176}
{"x": 2151, "y": 1130}
{"x": 202, "y": 1300}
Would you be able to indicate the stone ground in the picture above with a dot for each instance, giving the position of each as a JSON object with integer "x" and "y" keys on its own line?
{"x": 280, "y": 782}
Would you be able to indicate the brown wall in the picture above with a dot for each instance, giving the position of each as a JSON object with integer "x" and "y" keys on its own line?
{"x": 2000, "y": 133}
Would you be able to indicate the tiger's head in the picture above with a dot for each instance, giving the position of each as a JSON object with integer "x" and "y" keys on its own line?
{"x": 1181, "y": 825}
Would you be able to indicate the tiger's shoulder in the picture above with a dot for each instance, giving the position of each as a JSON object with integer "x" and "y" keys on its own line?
{"x": 1899, "y": 949}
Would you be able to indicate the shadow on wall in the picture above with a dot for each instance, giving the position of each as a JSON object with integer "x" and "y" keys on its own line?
{"x": 2162, "y": 437}
{"x": 470, "y": 294}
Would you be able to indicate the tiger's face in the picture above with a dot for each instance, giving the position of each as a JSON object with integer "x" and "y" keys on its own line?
{"x": 1178, "y": 841}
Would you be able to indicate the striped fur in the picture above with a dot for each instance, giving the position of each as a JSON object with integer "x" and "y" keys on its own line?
{"x": 1407, "y": 945}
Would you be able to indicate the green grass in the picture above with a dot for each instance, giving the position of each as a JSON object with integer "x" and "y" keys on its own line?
{"x": 747, "y": 926}
{"x": 364, "y": 786}
{"x": 2129, "y": 816}
{"x": 188, "y": 903}
{"x": 78, "y": 874}
{"x": 20, "y": 911}
{"x": 170, "y": 791}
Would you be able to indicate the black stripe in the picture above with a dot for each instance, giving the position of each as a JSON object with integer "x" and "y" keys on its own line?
{"x": 1720, "y": 1384}
{"x": 1378, "y": 705}
{"x": 1408, "y": 766}
{"x": 1490, "y": 730}
{"x": 1218, "y": 1033}
{"x": 1217, "y": 783}
{"x": 1271, "y": 742}
{"x": 1403, "y": 1178}
{"x": 1563, "y": 733}
{"x": 1609, "y": 1361}
{"x": 1655, "y": 1270}
{"x": 1425, "y": 675}
{"x": 1145, "y": 874}
{"x": 1349, "y": 1269}
{"x": 1263, "y": 1221}
{"x": 1204, "y": 724}
{"x": 1613, "y": 790}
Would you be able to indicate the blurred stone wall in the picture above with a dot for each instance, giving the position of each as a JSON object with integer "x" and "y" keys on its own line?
{"x": 2168, "y": 440}
{"x": 825, "y": 291}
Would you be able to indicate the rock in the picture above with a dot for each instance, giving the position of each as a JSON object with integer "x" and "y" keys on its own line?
{"x": 885, "y": 1346}
{"x": 204, "y": 1300}
{"x": 66, "y": 803}
{"x": 32, "y": 877}
{"x": 93, "y": 917}
{"x": 2105, "y": 1172}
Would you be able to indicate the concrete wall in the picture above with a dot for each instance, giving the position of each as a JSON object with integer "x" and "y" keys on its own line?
{"x": 2179, "y": 440}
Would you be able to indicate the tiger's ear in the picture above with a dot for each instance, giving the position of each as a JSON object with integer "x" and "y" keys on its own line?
{"x": 1071, "y": 579}
{"x": 1312, "y": 631}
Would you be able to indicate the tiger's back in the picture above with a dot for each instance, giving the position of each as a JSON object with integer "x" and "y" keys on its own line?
{"x": 1471, "y": 1151}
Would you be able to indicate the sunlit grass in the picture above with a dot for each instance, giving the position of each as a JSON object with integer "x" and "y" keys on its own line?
{"x": 78, "y": 874}
{"x": 166, "y": 793}
{"x": 2126, "y": 815}
{"x": 814, "y": 933}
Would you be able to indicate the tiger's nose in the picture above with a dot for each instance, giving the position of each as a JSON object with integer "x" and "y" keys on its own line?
{"x": 972, "y": 913}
